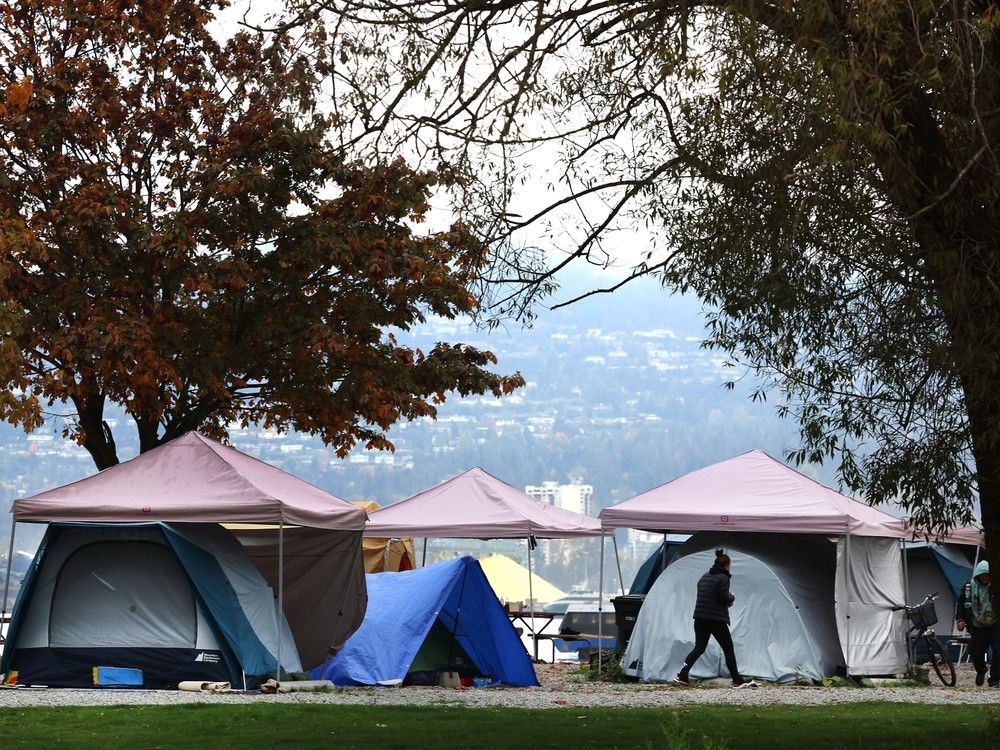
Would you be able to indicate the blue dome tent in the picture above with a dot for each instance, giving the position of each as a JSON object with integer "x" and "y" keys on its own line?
{"x": 434, "y": 618}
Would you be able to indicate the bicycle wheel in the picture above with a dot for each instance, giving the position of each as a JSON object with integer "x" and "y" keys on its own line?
{"x": 940, "y": 660}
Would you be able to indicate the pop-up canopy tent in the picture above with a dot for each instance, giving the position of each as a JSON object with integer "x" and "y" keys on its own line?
{"x": 477, "y": 505}
{"x": 385, "y": 555}
{"x": 196, "y": 480}
{"x": 174, "y": 601}
{"x": 783, "y": 620}
{"x": 436, "y": 618}
{"x": 756, "y": 493}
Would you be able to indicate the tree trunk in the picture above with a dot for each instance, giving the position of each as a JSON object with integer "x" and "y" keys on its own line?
{"x": 148, "y": 433}
{"x": 983, "y": 418}
{"x": 97, "y": 437}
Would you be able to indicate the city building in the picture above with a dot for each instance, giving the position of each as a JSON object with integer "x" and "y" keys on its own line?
{"x": 574, "y": 497}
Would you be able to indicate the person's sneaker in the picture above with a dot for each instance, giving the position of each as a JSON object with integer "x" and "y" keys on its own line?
{"x": 741, "y": 683}
{"x": 994, "y": 683}
{"x": 980, "y": 678}
{"x": 682, "y": 681}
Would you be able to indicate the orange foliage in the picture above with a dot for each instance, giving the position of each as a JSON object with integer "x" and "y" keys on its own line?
{"x": 167, "y": 239}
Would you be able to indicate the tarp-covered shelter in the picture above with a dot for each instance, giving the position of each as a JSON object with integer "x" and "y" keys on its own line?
{"x": 176, "y": 601}
{"x": 304, "y": 536}
{"x": 385, "y": 555}
{"x": 442, "y": 617}
{"x": 755, "y": 493}
{"x": 509, "y": 581}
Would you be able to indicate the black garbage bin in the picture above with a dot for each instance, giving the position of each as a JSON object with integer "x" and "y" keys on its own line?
{"x": 627, "y": 608}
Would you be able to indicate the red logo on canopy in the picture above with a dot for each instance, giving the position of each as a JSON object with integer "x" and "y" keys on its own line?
{"x": 724, "y": 519}
{"x": 146, "y": 509}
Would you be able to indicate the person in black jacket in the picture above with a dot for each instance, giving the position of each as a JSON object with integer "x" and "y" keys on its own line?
{"x": 711, "y": 619}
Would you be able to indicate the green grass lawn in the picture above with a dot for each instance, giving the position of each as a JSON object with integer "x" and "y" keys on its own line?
{"x": 253, "y": 727}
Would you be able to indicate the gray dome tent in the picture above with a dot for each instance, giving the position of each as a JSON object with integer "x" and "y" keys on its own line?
{"x": 783, "y": 620}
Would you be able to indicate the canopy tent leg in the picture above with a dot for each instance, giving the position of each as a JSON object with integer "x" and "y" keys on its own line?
{"x": 423, "y": 560}
{"x": 906, "y": 597}
{"x": 663, "y": 555}
{"x": 847, "y": 605}
{"x": 531, "y": 599}
{"x": 6, "y": 583}
{"x": 618, "y": 562}
{"x": 281, "y": 590}
{"x": 600, "y": 611}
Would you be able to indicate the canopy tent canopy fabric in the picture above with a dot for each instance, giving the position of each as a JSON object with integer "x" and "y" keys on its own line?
{"x": 454, "y": 600}
{"x": 196, "y": 480}
{"x": 751, "y": 492}
{"x": 385, "y": 555}
{"x": 509, "y": 581}
{"x": 477, "y": 505}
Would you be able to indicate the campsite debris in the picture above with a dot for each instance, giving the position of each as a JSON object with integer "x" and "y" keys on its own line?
{"x": 198, "y": 686}
{"x": 295, "y": 686}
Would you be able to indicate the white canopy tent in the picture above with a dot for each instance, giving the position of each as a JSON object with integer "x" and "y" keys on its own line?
{"x": 477, "y": 505}
{"x": 754, "y": 492}
{"x": 193, "y": 479}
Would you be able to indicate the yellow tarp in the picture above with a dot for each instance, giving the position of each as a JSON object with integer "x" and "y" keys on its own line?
{"x": 510, "y": 581}
{"x": 383, "y": 555}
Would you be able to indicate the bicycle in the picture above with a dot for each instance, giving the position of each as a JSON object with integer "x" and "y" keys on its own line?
{"x": 922, "y": 618}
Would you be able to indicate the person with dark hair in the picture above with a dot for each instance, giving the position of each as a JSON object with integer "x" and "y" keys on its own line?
{"x": 711, "y": 620}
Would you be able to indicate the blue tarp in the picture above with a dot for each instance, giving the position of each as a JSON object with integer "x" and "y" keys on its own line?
{"x": 402, "y": 608}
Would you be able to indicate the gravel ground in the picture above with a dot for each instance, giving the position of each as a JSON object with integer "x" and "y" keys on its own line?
{"x": 561, "y": 687}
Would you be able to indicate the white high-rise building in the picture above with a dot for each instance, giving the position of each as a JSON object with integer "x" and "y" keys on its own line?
{"x": 574, "y": 497}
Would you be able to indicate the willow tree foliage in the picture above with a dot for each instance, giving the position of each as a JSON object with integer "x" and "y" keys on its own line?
{"x": 824, "y": 175}
{"x": 180, "y": 235}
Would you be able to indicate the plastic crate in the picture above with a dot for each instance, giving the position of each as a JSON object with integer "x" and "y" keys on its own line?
{"x": 923, "y": 615}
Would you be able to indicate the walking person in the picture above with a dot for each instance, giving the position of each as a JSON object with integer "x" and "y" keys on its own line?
{"x": 977, "y": 612}
{"x": 711, "y": 620}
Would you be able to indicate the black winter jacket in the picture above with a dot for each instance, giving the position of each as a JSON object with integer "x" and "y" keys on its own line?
{"x": 713, "y": 596}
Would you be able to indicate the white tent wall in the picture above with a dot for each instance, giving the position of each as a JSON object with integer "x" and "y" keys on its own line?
{"x": 770, "y": 637}
{"x": 869, "y": 584}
